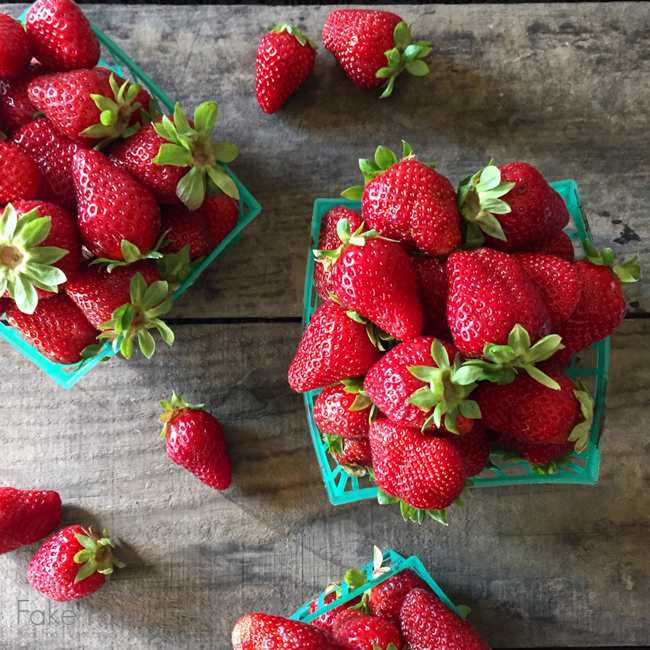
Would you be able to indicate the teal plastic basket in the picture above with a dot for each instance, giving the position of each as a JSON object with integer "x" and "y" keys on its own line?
{"x": 592, "y": 366}
{"x": 249, "y": 208}
{"x": 396, "y": 563}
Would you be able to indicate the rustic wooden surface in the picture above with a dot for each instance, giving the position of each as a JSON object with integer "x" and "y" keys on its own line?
{"x": 564, "y": 87}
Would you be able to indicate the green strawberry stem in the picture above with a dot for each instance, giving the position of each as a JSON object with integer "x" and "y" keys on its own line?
{"x": 580, "y": 433}
{"x": 133, "y": 254}
{"x": 177, "y": 267}
{"x": 97, "y": 555}
{"x": 627, "y": 273}
{"x": 409, "y": 513}
{"x": 296, "y": 33}
{"x": 174, "y": 408}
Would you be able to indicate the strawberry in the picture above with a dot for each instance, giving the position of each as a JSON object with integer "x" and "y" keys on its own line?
{"x": 558, "y": 244}
{"x": 15, "y": 106}
{"x": 285, "y": 59}
{"x": 265, "y": 632}
{"x": 511, "y": 207}
{"x": 372, "y": 46}
{"x": 61, "y": 35}
{"x": 373, "y": 277}
{"x": 176, "y": 159}
{"x": 182, "y": 227}
{"x": 57, "y": 328}
{"x": 386, "y": 598}
{"x": 113, "y": 207}
{"x": 333, "y": 347}
{"x": 5, "y": 303}
{"x": 19, "y": 175}
{"x": 544, "y": 456}
{"x": 354, "y": 455}
{"x": 601, "y": 306}
{"x": 73, "y": 564}
{"x": 473, "y": 447}
{"x": 425, "y": 473}
{"x": 27, "y": 516}
{"x": 221, "y": 215}
{"x": 195, "y": 441}
{"x": 53, "y": 152}
{"x": 326, "y": 621}
{"x": 408, "y": 201}
{"x": 343, "y": 410}
{"x": 431, "y": 276}
{"x": 415, "y": 384}
{"x": 360, "y": 631}
{"x": 490, "y": 293}
{"x": 426, "y": 623}
{"x": 15, "y": 50}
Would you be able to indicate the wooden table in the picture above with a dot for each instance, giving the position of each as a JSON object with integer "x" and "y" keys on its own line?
{"x": 562, "y": 86}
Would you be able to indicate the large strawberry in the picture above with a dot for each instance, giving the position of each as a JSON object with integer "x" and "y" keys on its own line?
{"x": 360, "y": 631}
{"x": 15, "y": 106}
{"x": 343, "y": 410}
{"x": 15, "y": 49}
{"x": 20, "y": 178}
{"x": 27, "y": 516}
{"x": 113, "y": 207}
{"x": 73, "y": 564}
{"x": 427, "y": 623}
{"x": 177, "y": 160}
{"x": 333, "y": 347}
{"x": 409, "y": 201}
{"x": 373, "y": 277}
{"x": 511, "y": 207}
{"x": 558, "y": 244}
{"x": 284, "y": 61}
{"x": 386, "y": 598}
{"x": 372, "y": 46}
{"x": 61, "y": 35}
{"x": 431, "y": 276}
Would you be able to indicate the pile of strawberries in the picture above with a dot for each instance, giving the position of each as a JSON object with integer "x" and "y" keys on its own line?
{"x": 104, "y": 204}
{"x": 399, "y": 612}
{"x": 447, "y": 323}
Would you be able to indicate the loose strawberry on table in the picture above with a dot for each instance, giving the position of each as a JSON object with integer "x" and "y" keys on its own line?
{"x": 20, "y": 178}
{"x": 15, "y": 48}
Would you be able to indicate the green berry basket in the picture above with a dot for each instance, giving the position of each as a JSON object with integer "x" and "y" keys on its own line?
{"x": 115, "y": 59}
{"x": 591, "y": 366}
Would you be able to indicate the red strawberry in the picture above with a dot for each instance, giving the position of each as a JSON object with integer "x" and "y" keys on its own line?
{"x": 602, "y": 306}
{"x": 57, "y": 328}
{"x": 73, "y": 564}
{"x": 15, "y": 51}
{"x": 426, "y": 623}
{"x": 15, "y": 106}
{"x": 360, "y": 631}
{"x": 431, "y": 276}
{"x": 27, "y": 516}
{"x": 373, "y": 277}
{"x": 556, "y": 280}
{"x": 474, "y": 447}
{"x": 343, "y": 410}
{"x": 371, "y": 46}
{"x": 266, "y": 632}
{"x": 186, "y": 228}
{"x": 511, "y": 207}
{"x": 354, "y": 454}
{"x": 285, "y": 59}
{"x": 329, "y": 240}
{"x": 5, "y": 303}
{"x": 221, "y": 215}
{"x": 61, "y": 35}
{"x": 326, "y": 621}
{"x": 425, "y": 472}
{"x": 113, "y": 207}
{"x": 490, "y": 293}
{"x": 53, "y": 152}
{"x": 558, "y": 244}
{"x": 195, "y": 441}
{"x": 333, "y": 347}
{"x": 387, "y": 597}
{"x": 19, "y": 175}
{"x": 540, "y": 454}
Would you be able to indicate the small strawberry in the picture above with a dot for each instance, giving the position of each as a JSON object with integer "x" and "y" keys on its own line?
{"x": 333, "y": 347}
{"x": 426, "y": 623}
{"x": 61, "y": 35}
{"x": 510, "y": 208}
{"x": 386, "y": 598}
{"x": 408, "y": 201}
{"x": 558, "y": 244}
{"x": 113, "y": 207}
{"x": 360, "y": 631}
{"x": 73, "y": 564}
{"x": 195, "y": 441}
{"x": 5, "y": 303}
{"x": 544, "y": 456}
{"x": 474, "y": 447}
{"x": 15, "y": 106}
{"x": 326, "y": 621}
{"x": 373, "y": 277}
{"x": 285, "y": 59}
{"x": 15, "y": 50}
{"x": 372, "y": 46}
{"x": 177, "y": 160}
{"x": 343, "y": 410}
{"x": 354, "y": 455}
{"x": 183, "y": 227}
{"x": 221, "y": 215}
{"x": 27, "y": 516}
{"x": 431, "y": 276}
{"x": 20, "y": 178}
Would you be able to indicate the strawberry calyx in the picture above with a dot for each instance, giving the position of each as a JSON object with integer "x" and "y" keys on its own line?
{"x": 580, "y": 433}
{"x": 479, "y": 200}
{"x": 132, "y": 254}
{"x": 409, "y": 513}
{"x": 361, "y": 401}
{"x": 447, "y": 389}
{"x": 25, "y": 265}
{"x": 192, "y": 146}
{"x": 296, "y": 33}
{"x": 96, "y": 556}
{"x": 502, "y": 363}
{"x": 406, "y": 55}
{"x": 176, "y": 268}
{"x": 356, "y": 579}
{"x": 139, "y": 316}
{"x": 174, "y": 408}
{"x": 328, "y": 257}
{"x": 627, "y": 273}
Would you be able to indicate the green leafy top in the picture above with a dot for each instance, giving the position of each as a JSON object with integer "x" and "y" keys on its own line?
{"x": 348, "y": 238}
{"x": 96, "y": 556}
{"x": 580, "y": 433}
{"x": 177, "y": 267}
{"x": 131, "y": 254}
{"x": 24, "y": 264}
{"x": 192, "y": 146}
{"x": 479, "y": 199}
{"x": 355, "y": 578}
{"x": 174, "y": 408}
{"x": 294, "y": 31}
{"x": 406, "y": 55}
{"x": 627, "y": 273}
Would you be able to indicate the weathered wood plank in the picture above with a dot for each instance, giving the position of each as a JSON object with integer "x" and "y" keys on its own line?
{"x": 541, "y": 566}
